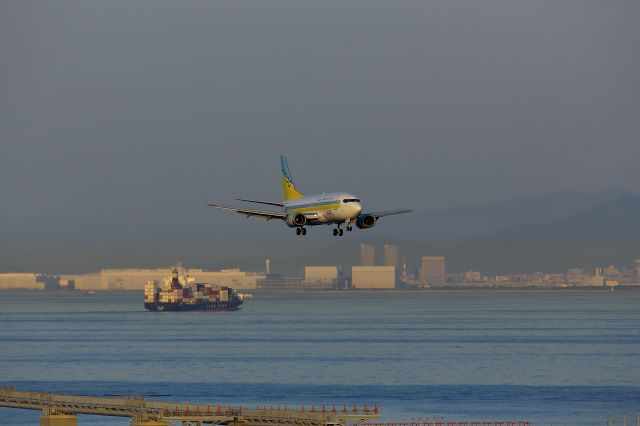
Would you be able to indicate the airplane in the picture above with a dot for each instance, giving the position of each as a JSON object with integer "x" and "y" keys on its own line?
{"x": 299, "y": 211}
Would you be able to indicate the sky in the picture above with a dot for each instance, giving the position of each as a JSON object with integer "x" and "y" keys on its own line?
{"x": 116, "y": 115}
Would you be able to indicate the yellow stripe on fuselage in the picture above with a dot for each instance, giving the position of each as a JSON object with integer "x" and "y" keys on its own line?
{"x": 312, "y": 208}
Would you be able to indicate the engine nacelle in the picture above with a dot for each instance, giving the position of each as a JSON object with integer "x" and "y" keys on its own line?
{"x": 296, "y": 219}
{"x": 365, "y": 221}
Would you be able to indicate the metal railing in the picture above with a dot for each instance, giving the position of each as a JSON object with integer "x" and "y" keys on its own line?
{"x": 214, "y": 414}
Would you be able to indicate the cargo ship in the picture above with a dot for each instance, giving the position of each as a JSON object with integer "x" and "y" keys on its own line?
{"x": 183, "y": 293}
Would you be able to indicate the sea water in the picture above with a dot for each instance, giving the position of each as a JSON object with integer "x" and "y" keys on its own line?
{"x": 550, "y": 357}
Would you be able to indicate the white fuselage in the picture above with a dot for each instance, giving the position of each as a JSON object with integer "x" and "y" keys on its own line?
{"x": 336, "y": 207}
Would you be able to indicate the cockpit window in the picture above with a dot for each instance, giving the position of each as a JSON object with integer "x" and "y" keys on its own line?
{"x": 351, "y": 200}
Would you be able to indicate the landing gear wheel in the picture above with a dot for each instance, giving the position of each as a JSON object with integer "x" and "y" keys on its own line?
{"x": 335, "y": 232}
{"x": 349, "y": 228}
{"x": 304, "y": 231}
{"x": 298, "y": 231}
{"x": 340, "y": 232}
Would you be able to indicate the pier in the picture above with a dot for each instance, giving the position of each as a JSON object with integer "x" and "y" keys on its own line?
{"x": 451, "y": 423}
{"x": 61, "y": 410}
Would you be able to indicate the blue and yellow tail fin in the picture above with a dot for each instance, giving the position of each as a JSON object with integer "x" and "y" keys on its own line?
{"x": 288, "y": 188}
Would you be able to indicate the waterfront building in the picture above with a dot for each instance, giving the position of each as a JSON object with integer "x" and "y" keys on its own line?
{"x": 31, "y": 281}
{"x": 317, "y": 277}
{"x": 373, "y": 277}
{"x": 135, "y": 279}
{"x": 69, "y": 284}
{"x": 280, "y": 282}
{"x": 611, "y": 271}
{"x": 130, "y": 279}
{"x": 84, "y": 281}
{"x": 433, "y": 270}
{"x": 234, "y": 278}
{"x": 637, "y": 268}
{"x": 20, "y": 281}
{"x": 472, "y": 276}
{"x": 574, "y": 272}
{"x": 465, "y": 277}
{"x": 391, "y": 255}
{"x": 367, "y": 255}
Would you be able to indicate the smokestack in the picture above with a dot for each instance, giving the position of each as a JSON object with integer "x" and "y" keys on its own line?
{"x": 267, "y": 266}
{"x": 404, "y": 268}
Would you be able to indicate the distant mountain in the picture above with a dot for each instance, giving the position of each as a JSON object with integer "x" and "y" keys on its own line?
{"x": 546, "y": 233}
{"x": 618, "y": 219}
{"x": 484, "y": 221}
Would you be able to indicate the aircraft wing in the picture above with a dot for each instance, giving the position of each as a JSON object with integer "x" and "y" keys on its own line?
{"x": 264, "y": 214}
{"x": 387, "y": 213}
{"x": 271, "y": 203}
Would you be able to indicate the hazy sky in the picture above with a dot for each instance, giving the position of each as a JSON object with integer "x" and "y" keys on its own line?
{"x": 120, "y": 111}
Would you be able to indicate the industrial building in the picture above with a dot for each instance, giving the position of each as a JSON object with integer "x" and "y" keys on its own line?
{"x": 373, "y": 277}
{"x": 31, "y": 281}
{"x": 135, "y": 279}
{"x": 315, "y": 278}
{"x": 320, "y": 277}
{"x": 85, "y": 281}
{"x": 235, "y": 278}
{"x": 20, "y": 281}
{"x": 280, "y": 282}
{"x": 433, "y": 270}
{"x": 130, "y": 279}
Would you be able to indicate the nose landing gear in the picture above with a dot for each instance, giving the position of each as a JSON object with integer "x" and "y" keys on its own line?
{"x": 349, "y": 227}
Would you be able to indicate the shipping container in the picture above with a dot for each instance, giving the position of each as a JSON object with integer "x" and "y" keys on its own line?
{"x": 183, "y": 293}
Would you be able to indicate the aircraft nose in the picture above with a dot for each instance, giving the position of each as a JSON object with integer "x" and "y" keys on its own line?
{"x": 357, "y": 207}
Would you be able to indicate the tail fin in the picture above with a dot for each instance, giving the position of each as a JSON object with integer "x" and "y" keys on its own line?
{"x": 289, "y": 189}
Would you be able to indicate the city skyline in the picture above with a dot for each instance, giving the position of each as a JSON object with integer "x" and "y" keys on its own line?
{"x": 431, "y": 273}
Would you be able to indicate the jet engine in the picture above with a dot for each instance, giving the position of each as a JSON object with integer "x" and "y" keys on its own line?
{"x": 296, "y": 219}
{"x": 365, "y": 221}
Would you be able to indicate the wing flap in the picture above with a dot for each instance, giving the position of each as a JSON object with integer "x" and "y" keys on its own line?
{"x": 271, "y": 203}
{"x": 386, "y": 213}
{"x": 264, "y": 214}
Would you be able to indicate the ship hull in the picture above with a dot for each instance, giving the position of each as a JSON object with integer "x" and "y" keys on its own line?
{"x": 204, "y": 306}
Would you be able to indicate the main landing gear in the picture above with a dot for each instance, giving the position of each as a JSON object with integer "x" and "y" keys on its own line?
{"x": 301, "y": 231}
{"x": 339, "y": 232}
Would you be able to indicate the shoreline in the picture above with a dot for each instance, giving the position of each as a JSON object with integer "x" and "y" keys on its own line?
{"x": 454, "y": 287}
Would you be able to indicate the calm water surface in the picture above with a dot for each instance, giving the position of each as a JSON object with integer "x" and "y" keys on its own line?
{"x": 561, "y": 357}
